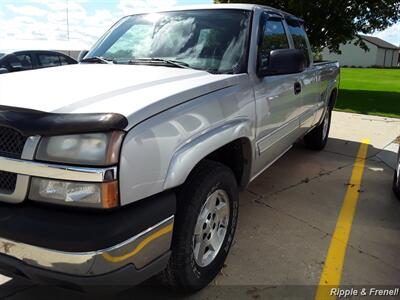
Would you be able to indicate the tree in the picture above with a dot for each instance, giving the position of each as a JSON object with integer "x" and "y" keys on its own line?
{"x": 330, "y": 23}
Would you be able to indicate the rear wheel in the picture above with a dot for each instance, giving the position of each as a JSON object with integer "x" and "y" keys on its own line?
{"x": 204, "y": 227}
{"x": 318, "y": 137}
{"x": 396, "y": 180}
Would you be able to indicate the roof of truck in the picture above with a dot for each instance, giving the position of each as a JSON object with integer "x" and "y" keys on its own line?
{"x": 225, "y": 6}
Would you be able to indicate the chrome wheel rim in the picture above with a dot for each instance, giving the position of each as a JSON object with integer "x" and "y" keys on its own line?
{"x": 326, "y": 125}
{"x": 211, "y": 228}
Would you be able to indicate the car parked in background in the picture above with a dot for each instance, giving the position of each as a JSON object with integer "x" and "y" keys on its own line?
{"x": 396, "y": 178}
{"x": 30, "y": 60}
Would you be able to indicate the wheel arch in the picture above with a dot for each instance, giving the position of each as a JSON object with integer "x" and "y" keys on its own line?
{"x": 332, "y": 98}
{"x": 229, "y": 143}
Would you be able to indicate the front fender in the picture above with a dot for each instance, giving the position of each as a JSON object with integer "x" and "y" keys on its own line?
{"x": 160, "y": 152}
{"x": 194, "y": 150}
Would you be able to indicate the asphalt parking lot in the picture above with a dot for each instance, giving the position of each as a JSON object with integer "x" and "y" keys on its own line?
{"x": 287, "y": 220}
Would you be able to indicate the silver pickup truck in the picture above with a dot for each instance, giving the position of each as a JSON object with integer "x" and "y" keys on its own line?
{"x": 130, "y": 163}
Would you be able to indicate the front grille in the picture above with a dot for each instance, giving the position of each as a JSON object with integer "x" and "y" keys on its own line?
{"x": 7, "y": 182}
{"x": 11, "y": 143}
{"x": 11, "y": 146}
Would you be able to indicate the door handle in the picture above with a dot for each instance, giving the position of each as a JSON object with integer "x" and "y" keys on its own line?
{"x": 297, "y": 88}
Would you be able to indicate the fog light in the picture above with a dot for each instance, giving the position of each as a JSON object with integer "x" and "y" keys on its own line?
{"x": 96, "y": 195}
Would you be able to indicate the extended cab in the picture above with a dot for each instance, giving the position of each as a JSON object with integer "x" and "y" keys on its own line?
{"x": 129, "y": 164}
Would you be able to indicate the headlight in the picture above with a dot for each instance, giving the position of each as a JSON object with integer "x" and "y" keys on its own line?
{"x": 94, "y": 149}
{"x": 95, "y": 195}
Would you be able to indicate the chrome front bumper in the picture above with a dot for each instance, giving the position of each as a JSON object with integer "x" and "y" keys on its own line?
{"x": 139, "y": 250}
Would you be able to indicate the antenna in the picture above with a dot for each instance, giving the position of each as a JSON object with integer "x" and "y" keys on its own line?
{"x": 67, "y": 11}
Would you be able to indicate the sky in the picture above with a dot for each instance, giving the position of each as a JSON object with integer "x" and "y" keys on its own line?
{"x": 33, "y": 21}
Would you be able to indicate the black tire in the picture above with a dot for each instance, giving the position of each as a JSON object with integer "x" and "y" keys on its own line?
{"x": 396, "y": 187}
{"x": 182, "y": 272}
{"x": 316, "y": 139}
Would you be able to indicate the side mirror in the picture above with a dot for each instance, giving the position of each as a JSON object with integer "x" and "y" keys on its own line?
{"x": 3, "y": 70}
{"x": 282, "y": 61}
{"x": 82, "y": 55}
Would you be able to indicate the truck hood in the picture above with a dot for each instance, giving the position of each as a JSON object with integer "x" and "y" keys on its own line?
{"x": 135, "y": 91}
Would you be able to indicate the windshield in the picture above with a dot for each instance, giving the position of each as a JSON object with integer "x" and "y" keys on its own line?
{"x": 2, "y": 54}
{"x": 211, "y": 40}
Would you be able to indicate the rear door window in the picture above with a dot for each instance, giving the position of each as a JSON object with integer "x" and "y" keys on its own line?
{"x": 63, "y": 61}
{"x": 273, "y": 38}
{"x": 299, "y": 37}
{"x": 48, "y": 60}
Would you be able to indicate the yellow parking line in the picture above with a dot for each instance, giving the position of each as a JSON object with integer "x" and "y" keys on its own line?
{"x": 149, "y": 239}
{"x": 332, "y": 272}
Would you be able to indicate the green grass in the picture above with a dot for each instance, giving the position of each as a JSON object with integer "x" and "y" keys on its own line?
{"x": 370, "y": 92}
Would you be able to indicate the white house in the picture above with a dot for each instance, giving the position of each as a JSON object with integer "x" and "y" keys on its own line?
{"x": 381, "y": 53}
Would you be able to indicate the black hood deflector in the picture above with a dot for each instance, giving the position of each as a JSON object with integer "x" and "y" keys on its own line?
{"x": 33, "y": 122}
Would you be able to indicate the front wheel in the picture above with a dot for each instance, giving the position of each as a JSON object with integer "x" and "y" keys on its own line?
{"x": 317, "y": 138}
{"x": 204, "y": 227}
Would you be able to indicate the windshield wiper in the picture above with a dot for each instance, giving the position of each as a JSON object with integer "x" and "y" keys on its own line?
{"x": 98, "y": 59}
{"x": 165, "y": 62}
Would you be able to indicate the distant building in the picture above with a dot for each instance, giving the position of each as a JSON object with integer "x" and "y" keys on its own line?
{"x": 381, "y": 53}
